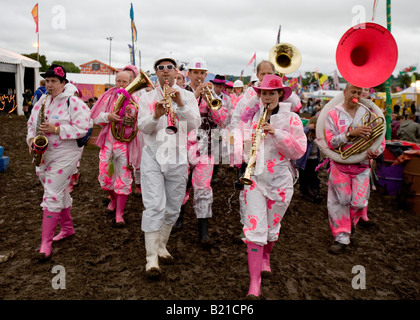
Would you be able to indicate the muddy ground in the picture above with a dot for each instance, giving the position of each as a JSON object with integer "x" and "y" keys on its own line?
{"x": 105, "y": 263}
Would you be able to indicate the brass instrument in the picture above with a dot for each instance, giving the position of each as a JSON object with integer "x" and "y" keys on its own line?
{"x": 129, "y": 120}
{"x": 256, "y": 141}
{"x": 361, "y": 144}
{"x": 170, "y": 114}
{"x": 40, "y": 143}
{"x": 213, "y": 103}
{"x": 366, "y": 56}
{"x": 285, "y": 57}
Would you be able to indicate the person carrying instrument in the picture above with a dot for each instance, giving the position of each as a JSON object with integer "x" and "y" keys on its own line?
{"x": 348, "y": 184}
{"x": 271, "y": 185}
{"x": 63, "y": 118}
{"x": 166, "y": 114}
{"x": 118, "y": 155}
{"x": 200, "y": 146}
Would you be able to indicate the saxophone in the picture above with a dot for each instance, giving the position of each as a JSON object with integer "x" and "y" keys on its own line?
{"x": 256, "y": 141}
{"x": 40, "y": 143}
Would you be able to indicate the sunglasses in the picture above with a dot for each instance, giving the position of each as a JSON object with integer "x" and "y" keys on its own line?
{"x": 167, "y": 66}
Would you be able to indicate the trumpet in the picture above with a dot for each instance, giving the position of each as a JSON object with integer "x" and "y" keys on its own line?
{"x": 213, "y": 103}
{"x": 258, "y": 136}
{"x": 40, "y": 143}
{"x": 171, "y": 128}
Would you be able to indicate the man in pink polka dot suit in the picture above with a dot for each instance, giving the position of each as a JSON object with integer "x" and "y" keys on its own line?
{"x": 67, "y": 118}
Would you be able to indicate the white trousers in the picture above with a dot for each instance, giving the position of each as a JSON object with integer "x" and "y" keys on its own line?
{"x": 162, "y": 191}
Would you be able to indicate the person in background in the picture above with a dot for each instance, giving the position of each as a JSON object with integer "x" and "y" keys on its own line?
{"x": 219, "y": 82}
{"x": 308, "y": 176}
{"x": 180, "y": 79}
{"x": 200, "y": 149}
{"x": 409, "y": 130}
{"x": 27, "y": 103}
{"x": 39, "y": 92}
{"x": 229, "y": 88}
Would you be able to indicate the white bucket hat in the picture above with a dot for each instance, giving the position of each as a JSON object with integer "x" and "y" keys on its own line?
{"x": 198, "y": 64}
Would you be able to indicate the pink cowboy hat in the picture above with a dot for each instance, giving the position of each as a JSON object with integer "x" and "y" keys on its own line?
{"x": 273, "y": 82}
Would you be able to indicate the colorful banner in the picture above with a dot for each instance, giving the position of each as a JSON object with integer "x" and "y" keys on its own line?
{"x": 133, "y": 36}
{"x": 278, "y": 35}
{"x": 293, "y": 83}
{"x": 130, "y": 49}
{"x": 409, "y": 69}
{"x": 35, "y": 15}
{"x": 252, "y": 59}
{"x": 323, "y": 79}
{"x": 91, "y": 90}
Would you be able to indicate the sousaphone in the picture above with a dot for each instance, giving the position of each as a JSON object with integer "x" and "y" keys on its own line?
{"x": 285, "y": 57}
{"x": 366, "y": 56}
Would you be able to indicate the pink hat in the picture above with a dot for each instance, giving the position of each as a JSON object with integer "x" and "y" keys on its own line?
{"x": 229, "y": 84}
{"x": 131, "y": 68}
{"x": 273, "y": 82}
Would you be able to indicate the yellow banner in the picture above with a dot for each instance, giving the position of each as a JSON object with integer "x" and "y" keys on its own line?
{"x": 323, "y": 79}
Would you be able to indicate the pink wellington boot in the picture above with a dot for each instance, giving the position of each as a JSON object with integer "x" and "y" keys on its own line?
{"x": 266, "y": 257}
{"x": 113, "y": 203}
{"x": 49, "y": 225}
{"x": 255, "y": 255}
{"x": 121, "y": 201}
{"x": 66, "y": 223}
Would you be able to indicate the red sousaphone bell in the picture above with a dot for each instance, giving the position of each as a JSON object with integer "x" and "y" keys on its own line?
{"x": 366, "y": 55}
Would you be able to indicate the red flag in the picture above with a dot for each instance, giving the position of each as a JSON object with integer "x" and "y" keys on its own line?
{"x": 252, "y": 59}
{"x": 35, "y": 15}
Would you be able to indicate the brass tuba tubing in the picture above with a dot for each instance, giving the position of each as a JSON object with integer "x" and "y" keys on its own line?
{"x": 140, "y": 82}
{"x": 361, "y": 144}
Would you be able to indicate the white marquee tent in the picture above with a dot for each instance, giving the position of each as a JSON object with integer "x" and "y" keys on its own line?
{"x": 16, "y": 63}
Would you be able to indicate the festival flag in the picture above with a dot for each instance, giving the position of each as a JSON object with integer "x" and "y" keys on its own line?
{"x": 336, "y": 81}
{"x": 325, "y": 85}
{"x": 252, "y": 59}
{"x": 133, "y": 36}
{"x": 130, "y": 49}
{"x": 278, "y": 35}
{"x": 323, "y": 79}
{"x": 293, "y": 83}
{"x": 242, "y": 73}
{"x": 35, "y": 15}
{"x": 409, "y": 69}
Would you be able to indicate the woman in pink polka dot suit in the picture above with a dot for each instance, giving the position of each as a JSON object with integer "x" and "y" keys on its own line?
{"x": 67, "y": 118}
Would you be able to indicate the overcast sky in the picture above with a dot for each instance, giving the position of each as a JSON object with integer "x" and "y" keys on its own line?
{"x": 225, "y": 33}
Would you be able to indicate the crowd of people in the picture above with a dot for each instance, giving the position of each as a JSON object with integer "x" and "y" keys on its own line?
{"x": 169, "y": 139}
